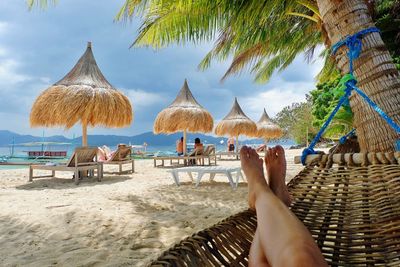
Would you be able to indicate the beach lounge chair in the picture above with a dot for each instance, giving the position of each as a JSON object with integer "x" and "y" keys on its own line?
{"x": 228, "y": 155}
{"x": 197, "y": 156}
{"x": 212, "y": 170}
{"x": 122, "y": 156}
{"x": 83, "y": 159}
{"x": 205, "y": 154}
{"x": 173, "y": 160}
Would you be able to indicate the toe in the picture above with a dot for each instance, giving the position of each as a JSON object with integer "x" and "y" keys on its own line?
{"x": 268, "y": 155}
{"x": 279, "y": 150}
{"x": 243, "y": 151}
{"x": 253, "y": 153}
{"x": 273, "y": 154}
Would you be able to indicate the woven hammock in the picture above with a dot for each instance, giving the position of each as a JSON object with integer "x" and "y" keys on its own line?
{"x": 349, "y": 202}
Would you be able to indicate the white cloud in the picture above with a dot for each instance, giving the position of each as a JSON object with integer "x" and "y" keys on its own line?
{"x": 140, "y": 98}
{"x": 274, "y": 99}
{"x": 9, "y": 74}
{"x": 45, "y": 80}
{"x": 3, "y": 51}
{"x": 4, "y": 26}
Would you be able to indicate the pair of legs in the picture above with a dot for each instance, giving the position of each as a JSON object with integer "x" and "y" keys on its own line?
{"x": 280, "y": 239}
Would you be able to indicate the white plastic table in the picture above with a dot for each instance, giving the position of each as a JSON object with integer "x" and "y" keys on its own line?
{"x": 212, "y": 170}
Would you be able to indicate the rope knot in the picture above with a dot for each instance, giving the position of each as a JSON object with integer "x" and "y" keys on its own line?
{"x": 307, "y": 151}
{"x": 354, "y": 44}
{"x": 343, "y": 139}
{"x": 346, "y": 83}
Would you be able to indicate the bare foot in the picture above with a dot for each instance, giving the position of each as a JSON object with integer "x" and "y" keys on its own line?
{"x": 276, "y": 169}
{"x": 252, "y": 167}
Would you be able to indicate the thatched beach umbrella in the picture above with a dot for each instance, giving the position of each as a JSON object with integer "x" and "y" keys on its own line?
{"x": 266, "y": 129}
{"x": 185, "y": 114}
{"x": 236, "y": 123}
{"x": 83, "y": 95}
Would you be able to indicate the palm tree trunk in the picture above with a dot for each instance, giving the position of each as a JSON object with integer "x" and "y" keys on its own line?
{"x": 374, "y": 69}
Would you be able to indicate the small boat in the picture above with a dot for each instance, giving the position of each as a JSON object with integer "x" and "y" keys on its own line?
{"x": 43, "y": 150}
{"x": 140, "y": 151}
{"x": 47, "y": 154}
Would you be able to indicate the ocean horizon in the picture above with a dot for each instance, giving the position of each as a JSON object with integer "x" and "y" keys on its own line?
{"x": 20, "y": 151}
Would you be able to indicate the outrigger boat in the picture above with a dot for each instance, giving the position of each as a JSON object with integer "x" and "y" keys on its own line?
{"x": 46, "y": 150}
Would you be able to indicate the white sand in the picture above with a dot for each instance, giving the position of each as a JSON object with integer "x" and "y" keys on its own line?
{"x": 123, "y": 220}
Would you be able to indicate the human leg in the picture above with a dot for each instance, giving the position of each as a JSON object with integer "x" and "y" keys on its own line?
{"x": 283, "y": 239}
{"x": 256, "y": 255}
{"x": 275, "y": 162}
{"x": 101, "y": 155}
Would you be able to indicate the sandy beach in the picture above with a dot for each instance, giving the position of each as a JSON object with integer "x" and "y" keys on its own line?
{"x": 124, "y": 220}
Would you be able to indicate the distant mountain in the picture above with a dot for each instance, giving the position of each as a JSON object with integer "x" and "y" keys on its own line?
{"x": 8, "y": 137}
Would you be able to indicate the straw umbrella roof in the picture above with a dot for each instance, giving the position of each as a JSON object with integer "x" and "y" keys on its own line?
{"x": 267, "y": 129}
{"x": 83, "y": 95}
{"x": 236, "y": 123}
{"x": 184, "y": 114}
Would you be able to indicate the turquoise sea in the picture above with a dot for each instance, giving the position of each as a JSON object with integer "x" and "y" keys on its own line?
{"x": 18, "y": 153}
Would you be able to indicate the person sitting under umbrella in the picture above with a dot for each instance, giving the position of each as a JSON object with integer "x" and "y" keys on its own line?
{"x": 198, "y": 150}
{"x": 179, "y": 147}
{"x": 197, "y": 144}
{"x": 231, "y": 144}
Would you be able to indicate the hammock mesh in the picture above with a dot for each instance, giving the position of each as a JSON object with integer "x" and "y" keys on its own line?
{"x": 352, "y": 211}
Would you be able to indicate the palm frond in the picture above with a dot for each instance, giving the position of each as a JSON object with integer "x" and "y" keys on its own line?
{"x": 43, "y": 4}
{"x": 260, "y": 35}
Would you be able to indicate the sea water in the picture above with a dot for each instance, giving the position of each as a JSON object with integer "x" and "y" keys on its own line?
{"x": 20, "y": 152}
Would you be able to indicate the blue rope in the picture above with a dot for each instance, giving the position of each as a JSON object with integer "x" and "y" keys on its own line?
{"x": 343, "y": 139}
{"x": 353, "y": 42}
{"x": 348, "y": 83}
{"x": 342, "y": 84}
{"x": 384, "y": 116}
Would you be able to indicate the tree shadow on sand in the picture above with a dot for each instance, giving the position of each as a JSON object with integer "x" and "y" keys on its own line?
{"x": 158, "y": 219}
{"x": 178, "y": 212}
{"x": 67, "y": 183}
{"x": 39, "y": 244}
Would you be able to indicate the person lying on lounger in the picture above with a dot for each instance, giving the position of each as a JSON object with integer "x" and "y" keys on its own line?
{"x": 104, "y": 153}
{"x": 280, "y": 238}
{"x": 261, "y": 148}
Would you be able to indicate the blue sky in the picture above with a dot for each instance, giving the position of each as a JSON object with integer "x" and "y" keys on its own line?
{"x": 37, "y": 48}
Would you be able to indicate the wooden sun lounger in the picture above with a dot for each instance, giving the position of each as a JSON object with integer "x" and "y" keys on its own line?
{"x": 208, "y": 154}
{"x": 122, "y": 157}
{"x": 16, "y": 163}
{"x": 185, "y": 160}
{"x": 83, "y": 159}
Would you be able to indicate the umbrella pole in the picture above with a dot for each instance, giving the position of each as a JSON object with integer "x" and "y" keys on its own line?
{"x": 266, "y": 146}
{"x": 237, "y": 147}
{"x": 84, "y": 143}
{"x": 84, "y": 134}
{"x": 184, "y": 142}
